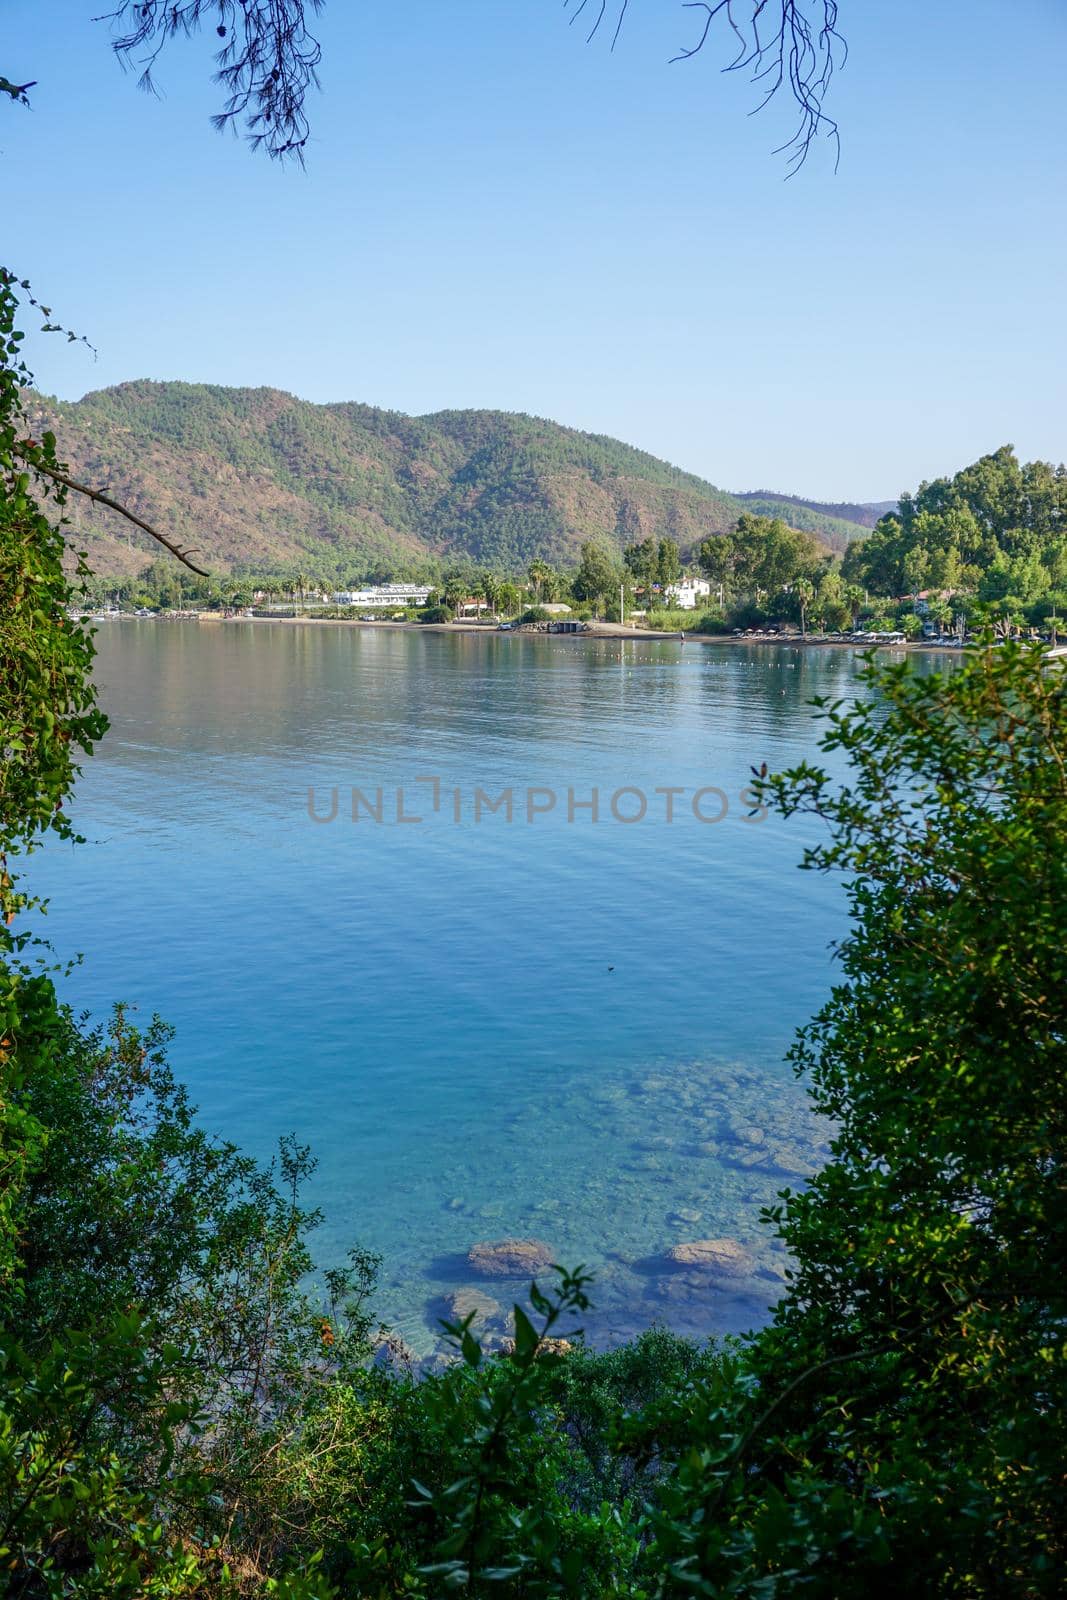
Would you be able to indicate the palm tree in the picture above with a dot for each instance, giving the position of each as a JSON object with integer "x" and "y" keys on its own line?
{"x": 853, "y": 597}
{"x": 454, "y": 591}
{"x": 539, "y": 574}
{"x": 940, "y": 611}
{"x": 804, "y": 590}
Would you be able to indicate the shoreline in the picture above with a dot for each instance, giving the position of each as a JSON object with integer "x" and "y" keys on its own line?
{"x": 609, "y": 630}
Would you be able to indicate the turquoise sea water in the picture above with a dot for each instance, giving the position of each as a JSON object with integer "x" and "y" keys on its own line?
{"x": 549, "y": 1027}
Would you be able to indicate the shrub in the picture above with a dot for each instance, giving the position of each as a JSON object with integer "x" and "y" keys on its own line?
{"x": 751, "y": 615}
{"x": 436, "y": 614}
{"x": 671, "y": 621}
{"x": 160, "y": 1356}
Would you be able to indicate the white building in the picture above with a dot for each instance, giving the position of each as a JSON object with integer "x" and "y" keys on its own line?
{"x": 384, "y": 594}
{"x": 687, "y": 593}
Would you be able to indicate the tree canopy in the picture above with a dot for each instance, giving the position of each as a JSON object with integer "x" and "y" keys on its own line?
{"x": 761, "y": 556}
{"x": 998, "y": 530}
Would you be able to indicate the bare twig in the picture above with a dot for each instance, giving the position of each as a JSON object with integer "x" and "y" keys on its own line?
{"x": 783, "y": 45}
{"x": 102, "y": 499}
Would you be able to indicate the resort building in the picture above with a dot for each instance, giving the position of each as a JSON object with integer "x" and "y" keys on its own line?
{"x": 384, "y": 594}
{"x": 687, "y": 593}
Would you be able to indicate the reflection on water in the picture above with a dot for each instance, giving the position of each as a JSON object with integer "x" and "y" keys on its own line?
{"x": 564, "y": 1030}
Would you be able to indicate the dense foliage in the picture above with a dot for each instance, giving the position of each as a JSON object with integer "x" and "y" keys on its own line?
{"x": 47, "y": 710}
{"x": 912, "y": 1387}
{"x": 761, "y": 557}
{"x": 997, "y": 532}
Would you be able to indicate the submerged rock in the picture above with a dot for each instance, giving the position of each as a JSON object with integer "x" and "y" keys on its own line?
{"x": 655, "y": 1083}
{"x": 726, "y": 1257}
{"x": 792, "y": 1163}
{"x": 747, "y": 1133}
{"x": 510, "y": 1258}
{"x": 462, "y": 1302}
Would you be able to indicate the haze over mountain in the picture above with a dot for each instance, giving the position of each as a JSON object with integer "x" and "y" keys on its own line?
{"x": 257, "y": 479}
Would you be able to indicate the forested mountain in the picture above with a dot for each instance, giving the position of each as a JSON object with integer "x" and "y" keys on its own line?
{"x": 256, "y": 478}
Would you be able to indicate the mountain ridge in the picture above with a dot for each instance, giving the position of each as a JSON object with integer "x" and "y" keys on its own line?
{"x": 863, "y": 512}
{"x": 257, "y": 479}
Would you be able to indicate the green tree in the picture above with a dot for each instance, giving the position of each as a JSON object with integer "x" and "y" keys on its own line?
{"x": 509, "y": 598}
{"x": 916, "y": 566}
{"x": 768, "y": 555}
{"x": 641, "y": 561}
{"x": 598, "y": 575}
{"x": 668, "y": 562}
{"x": 804, "y": 590}
{"x": 853, "y": 598}
{"x": 540, "y": 575}
{"x": 488, "y": 589}
{"x": 831, "y": 607}
{"x": 455, "y": 590}
{"x": 953, "y": 530}
{"x": 159, "y": 1357}
{"x": 940, "y": 612}
{"x": 715, "y": 557}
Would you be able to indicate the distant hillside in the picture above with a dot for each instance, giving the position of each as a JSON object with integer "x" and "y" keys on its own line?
{"x": 255, "y": 478}
{"x": 846, "y": 513}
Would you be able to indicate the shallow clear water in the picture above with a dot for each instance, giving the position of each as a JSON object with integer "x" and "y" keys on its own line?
{"x": 561, "y": 1029}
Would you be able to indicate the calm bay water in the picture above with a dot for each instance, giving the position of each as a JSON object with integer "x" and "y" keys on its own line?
{"x": 562, "y": 1029}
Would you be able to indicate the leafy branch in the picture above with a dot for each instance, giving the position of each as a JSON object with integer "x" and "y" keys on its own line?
{"x": 506, "y": 1402}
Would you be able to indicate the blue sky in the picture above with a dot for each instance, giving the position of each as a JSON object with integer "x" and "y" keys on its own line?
{"x": 497, "y": 214}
